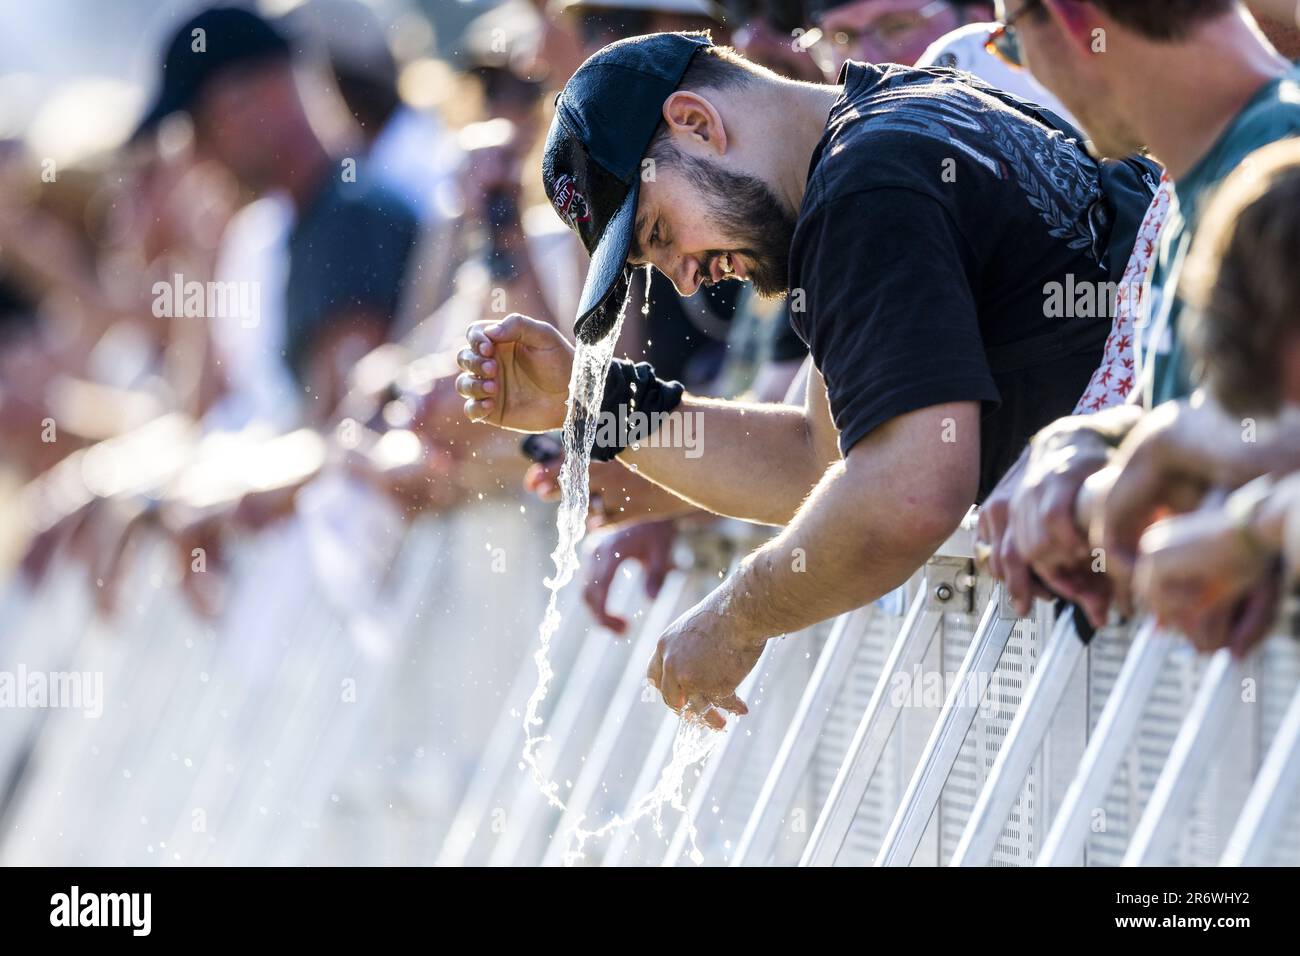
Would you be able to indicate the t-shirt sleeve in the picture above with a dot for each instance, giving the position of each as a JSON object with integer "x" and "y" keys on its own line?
{"x": 888, "y": 310}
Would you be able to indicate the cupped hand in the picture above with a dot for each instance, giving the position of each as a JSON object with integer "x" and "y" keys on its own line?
{"x": 515, "y": 374}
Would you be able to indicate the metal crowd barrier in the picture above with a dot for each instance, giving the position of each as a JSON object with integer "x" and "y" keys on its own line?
{"x": 933, "y": 728}
{"x": 1035, "y": 748}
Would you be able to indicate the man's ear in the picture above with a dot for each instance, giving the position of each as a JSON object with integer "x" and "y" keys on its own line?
{"x": 1078, "y": 22}
{"x": 690, "y": 115}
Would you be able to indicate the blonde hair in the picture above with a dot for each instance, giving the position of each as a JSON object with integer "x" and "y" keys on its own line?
{"x": 1242, "y": 280}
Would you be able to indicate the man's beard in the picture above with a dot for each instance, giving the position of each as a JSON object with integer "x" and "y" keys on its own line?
{"x": 747, "y": 209}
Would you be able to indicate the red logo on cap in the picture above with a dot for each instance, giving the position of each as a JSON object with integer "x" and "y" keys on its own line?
{"x": 568, "y": 202}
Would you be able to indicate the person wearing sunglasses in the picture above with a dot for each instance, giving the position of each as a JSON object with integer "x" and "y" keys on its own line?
{"x": 1196, "y": 84}
{"x": 886, "y": 31}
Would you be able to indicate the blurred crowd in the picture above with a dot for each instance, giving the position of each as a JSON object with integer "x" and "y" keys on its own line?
{"x": 260, "y": 285}
{"x": 265, "y": 285}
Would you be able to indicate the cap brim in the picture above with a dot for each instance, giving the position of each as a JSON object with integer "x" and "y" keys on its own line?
{"x": 606, "y": 286}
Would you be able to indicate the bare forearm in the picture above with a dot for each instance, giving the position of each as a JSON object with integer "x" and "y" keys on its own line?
{"x": 841, "y": 552}
{"x": 1278, "y": 453}
{"x": 754, "y": 462}
{"x": 872, "y": 521}
{"x": 629, "y": 498}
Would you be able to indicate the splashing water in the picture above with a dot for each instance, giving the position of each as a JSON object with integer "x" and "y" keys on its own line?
{"x": 694, "y": 742}
{"x": 693, "y": 745}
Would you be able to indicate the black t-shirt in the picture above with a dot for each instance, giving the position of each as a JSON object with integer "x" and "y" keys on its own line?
{"x": 937, "y": 212}
{"x": 348, "y": 250}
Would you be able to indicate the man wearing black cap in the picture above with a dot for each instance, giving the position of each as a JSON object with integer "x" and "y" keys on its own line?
{"x": 351, "y": 238}
{"x": 918, "y": 220}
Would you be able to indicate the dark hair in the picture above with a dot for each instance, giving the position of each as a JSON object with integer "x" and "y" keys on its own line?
{"x": 713, "y": 68}
{"x": 1243, "y": 282}
{"x": 1162, "y": 19}
{"x": 370, "y": 101}
{"x": 720, "y": 68}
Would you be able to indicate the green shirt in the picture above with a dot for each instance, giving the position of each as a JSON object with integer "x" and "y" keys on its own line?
{"x": 1272, "y": 114}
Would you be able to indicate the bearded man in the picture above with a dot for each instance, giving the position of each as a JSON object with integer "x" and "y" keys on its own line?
{"x": 920, "y": 223}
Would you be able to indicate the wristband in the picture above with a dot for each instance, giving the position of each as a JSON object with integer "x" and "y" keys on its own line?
{"x": 1243, "y": 508}
{"x": 632, "y": 407}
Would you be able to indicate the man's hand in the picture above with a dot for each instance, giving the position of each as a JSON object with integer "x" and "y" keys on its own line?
{"x": 1043, "y": 526}
{"x": 699, "y": 663}
{"x": 1197, "y": 572}
{"x": 996, "y": 545}
{"x": 1155, "y": 475}
{"x": 650, "y": 544}
{"x": 515, "y": 374}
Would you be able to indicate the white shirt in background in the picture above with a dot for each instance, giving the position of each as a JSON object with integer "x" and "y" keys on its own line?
{"x": 255, "y": 248}
{"x": 963, "y": 49}
{"x": 417, "y": 158}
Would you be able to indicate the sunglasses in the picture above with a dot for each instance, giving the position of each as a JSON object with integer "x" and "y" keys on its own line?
{"x": 1003, "y": 42}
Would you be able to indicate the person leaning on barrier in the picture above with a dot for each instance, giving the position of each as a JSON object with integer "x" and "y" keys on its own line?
{"x": 1196, "y": 84}
{"x": 914, "y": 218}
{"x": 1212, "y": 573}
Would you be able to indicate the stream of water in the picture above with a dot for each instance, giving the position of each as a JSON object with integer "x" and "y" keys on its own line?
{"x": 694, "y": 742}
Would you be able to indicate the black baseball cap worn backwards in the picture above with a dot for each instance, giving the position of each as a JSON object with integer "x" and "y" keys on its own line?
{"x": 203, "y": 46}
{"x": 605, "y": 118}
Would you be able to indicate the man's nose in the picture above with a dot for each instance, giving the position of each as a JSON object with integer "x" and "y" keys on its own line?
{"x": 684, "y": 275}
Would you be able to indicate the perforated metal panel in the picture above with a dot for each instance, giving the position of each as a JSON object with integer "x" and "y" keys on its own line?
{"x": 980, "y": 749}
{"x": 877, "y": 807}
{"x": 737, "y": 783}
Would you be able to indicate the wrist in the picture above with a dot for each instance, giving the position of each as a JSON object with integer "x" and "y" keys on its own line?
{"x": 634, "y": 402}
{"x": 1259, "y": 516}
{"x": 1079, "y": 446}
{"x": 733, "y": 604}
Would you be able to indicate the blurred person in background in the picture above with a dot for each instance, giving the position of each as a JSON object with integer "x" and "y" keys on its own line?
{"x": 525, "y": 260}
{"x": 328, "y": 253}
{"x": 953, "y": 34}
{"x": 1280, "y": 21}
{"x": 888, "y": 31}
{"x": 978, "y": 47}
{"x": 601, "y": 22}
{"x": 311, "y": 273}
{"x": 769, "y": 31}
{"x": 102, "y": 361}
{"x": 1198, "y": 85}
{"x": 1214, "y": 573}
{"x": 410, "y": 150}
